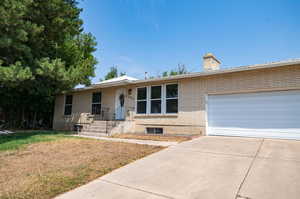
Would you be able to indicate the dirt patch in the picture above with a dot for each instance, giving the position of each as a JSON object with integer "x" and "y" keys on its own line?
{"x": 168, "y": 138}
{"x": 43, "y": 170}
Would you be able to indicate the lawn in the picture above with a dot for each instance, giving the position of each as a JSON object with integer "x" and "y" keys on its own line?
{"x": 21, "y": 139}
{"x": 45, "y": 164}
{"x": 169, "y": 138}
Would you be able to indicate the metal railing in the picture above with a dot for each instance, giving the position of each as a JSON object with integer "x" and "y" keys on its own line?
{"x": 105, "y": 115}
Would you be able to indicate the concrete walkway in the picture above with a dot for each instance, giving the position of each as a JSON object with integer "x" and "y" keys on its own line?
{"x": 5, "y": 132}
{"x": 205, "y": 168}
{"x": 134, "y": 141}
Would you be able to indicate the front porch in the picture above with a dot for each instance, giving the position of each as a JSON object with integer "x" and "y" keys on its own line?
{"x": 103, "y": 110}
{"x": 106, "y": 123}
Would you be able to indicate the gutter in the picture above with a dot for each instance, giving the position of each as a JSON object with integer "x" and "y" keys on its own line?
{"x": 192, "y": 75}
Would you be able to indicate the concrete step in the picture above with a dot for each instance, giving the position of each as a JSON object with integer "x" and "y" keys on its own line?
{"x": 93, "y": 134}
{"x": 96, "y": 127}
{"x": 99, "y": 125}
{"x": 93, "y": 124}
{"x": 100, "y": 122}
{"x": 103, "y": 123}
{"x": 95, "y": 130}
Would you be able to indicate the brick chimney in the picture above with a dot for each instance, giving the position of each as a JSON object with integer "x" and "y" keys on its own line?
{"x": 210, "y": 62}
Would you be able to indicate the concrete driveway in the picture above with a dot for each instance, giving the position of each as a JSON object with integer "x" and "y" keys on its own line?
{"x": 206, "y": 168}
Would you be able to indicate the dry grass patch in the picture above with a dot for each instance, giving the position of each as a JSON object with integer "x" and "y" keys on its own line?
{"x": 45, "y": 169}
{"x": 168, "y": 138}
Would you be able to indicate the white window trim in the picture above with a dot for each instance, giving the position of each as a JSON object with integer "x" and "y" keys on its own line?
{"x": 64, "y": 110}
{"x": 163, "y": 100}
{"x": 97, "y": 102}
{"x": 167, "y": 98}
{"x": 146, "y": 100}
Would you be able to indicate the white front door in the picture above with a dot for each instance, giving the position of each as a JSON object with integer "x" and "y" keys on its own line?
{"x": 120, "y": 104}
{"x": 264, "y": 114}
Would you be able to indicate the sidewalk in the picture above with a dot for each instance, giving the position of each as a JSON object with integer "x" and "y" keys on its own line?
{"x": 134, "y": 141}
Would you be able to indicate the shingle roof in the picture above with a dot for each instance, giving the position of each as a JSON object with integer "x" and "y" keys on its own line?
{"x": 125, "y": 80}
{"x": 117, "y": 79}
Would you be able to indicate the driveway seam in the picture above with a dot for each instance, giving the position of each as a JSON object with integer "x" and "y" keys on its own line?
{"x": 217, "y": 153}
{"x": 137, "y": 189}
{"x": 248, "y": 171}
{"x": 278, "y": 159}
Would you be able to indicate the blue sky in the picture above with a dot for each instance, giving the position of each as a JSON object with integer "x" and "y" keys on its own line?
{"x": 156, "y": 35}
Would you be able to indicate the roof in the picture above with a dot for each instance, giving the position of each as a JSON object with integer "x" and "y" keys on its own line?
{"x": 224, "y": 71}
{"x": 117, "y": 79}
{"x": 125, "y": 80}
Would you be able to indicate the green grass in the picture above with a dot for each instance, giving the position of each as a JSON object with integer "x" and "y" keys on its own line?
{"x": 21, "y": 139}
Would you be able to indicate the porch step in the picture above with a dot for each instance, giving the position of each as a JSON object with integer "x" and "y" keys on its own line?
{"x": 93, "y": 134}
{"x": 98, "y": 126}
{"x": 95, "y": 130}
{"x": 99, "y": 122}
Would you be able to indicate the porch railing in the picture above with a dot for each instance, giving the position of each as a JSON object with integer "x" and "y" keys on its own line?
{"x": 105, "y": 115}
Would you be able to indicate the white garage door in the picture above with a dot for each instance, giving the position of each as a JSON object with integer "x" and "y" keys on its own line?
{"x": 266, "y": 114}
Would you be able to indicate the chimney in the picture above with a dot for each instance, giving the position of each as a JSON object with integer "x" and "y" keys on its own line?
{"x": 210, "y": 62}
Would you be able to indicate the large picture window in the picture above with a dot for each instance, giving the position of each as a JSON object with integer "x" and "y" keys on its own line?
{"x": 156, "y": 99}
{"x": 68, "y": 104}
{"x": 141, "y": 105}
{"x": 96, "y": 103}
{"x": 172, "y": 98}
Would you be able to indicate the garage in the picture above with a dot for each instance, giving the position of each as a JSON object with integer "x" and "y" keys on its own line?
{"x": 261, "y": 114}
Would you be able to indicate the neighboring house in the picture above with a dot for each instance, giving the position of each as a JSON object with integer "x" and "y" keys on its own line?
{"x": 257, "y": 101}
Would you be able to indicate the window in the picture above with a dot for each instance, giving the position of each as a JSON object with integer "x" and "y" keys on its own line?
{"x": 96, "y": 103}
{"x": 141, "y": 100}
{"x": 68, "y": 104}
{"x": 172, "y": 98}
{"x": 154, "y": 130}
{"x": 155, "y": 99}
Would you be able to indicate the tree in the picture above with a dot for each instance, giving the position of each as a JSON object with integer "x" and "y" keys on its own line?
{"x": 181, "y": 69}
{"x": 43, "y": 51}
{"x": 113, "y": 73}
{"x": 122, "y": 73}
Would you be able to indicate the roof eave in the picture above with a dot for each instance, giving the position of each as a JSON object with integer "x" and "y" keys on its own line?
{"x": 105, "y": 85}
{"x": 191, "y": 75}
{"x": 224, "y": 71}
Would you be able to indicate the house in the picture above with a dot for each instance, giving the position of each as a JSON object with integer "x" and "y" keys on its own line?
{"x": 256, "y": 101}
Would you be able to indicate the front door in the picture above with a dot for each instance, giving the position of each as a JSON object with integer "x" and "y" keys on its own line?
{"x": 120, "y": 104}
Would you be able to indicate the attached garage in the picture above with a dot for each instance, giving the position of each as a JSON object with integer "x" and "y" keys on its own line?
{"x": 261, "y": 114}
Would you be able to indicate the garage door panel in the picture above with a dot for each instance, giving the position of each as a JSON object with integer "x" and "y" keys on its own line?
{"x": 266, "y": 133}
{"x": 261, "y": 113}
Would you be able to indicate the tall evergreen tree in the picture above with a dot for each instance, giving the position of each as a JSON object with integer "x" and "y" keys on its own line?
{"x": 43, "y": 51}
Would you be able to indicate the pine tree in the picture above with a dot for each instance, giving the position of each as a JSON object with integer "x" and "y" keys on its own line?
{"x": 43, "y": 52}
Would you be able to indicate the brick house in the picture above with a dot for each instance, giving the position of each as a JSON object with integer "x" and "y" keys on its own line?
{"x": 261, "y": 100}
